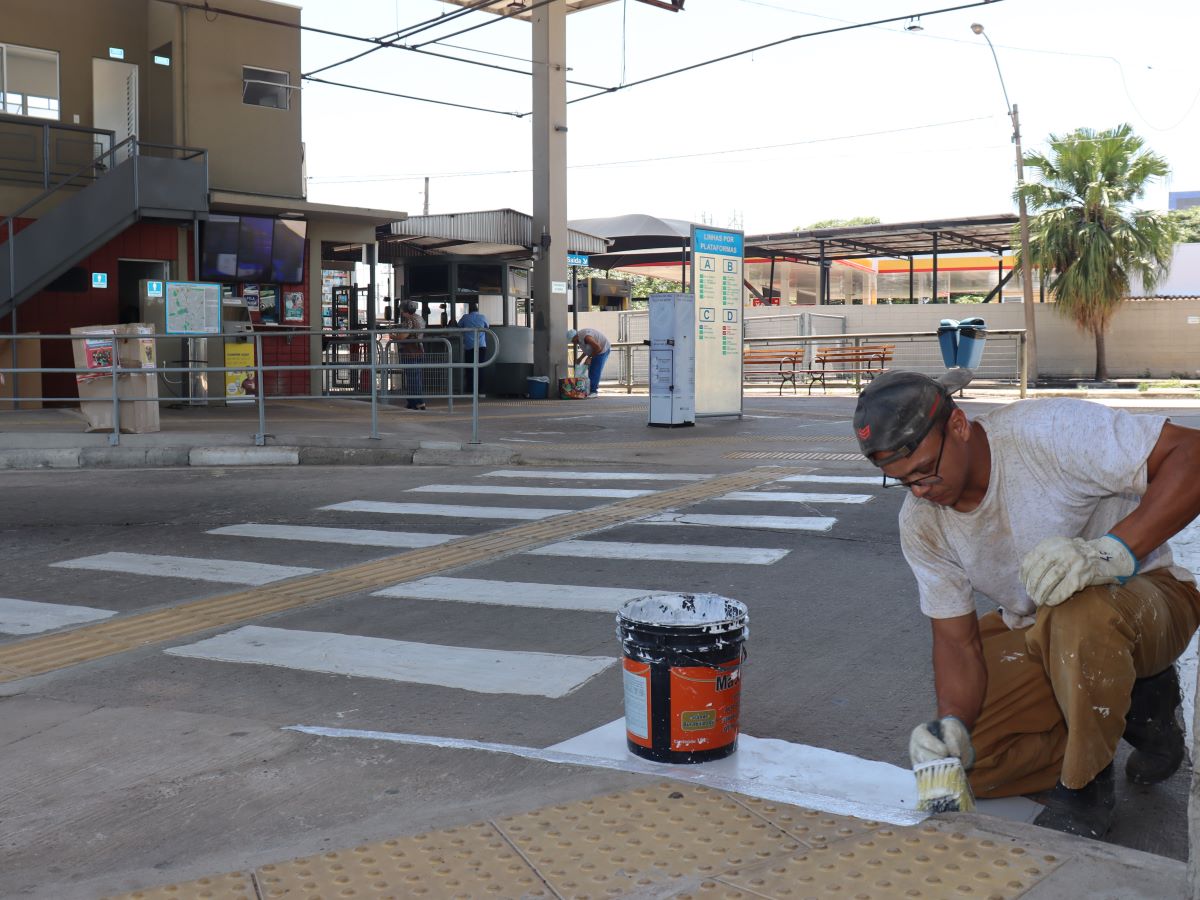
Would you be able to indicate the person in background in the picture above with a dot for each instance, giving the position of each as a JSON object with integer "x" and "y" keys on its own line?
{"x": 474, "y": 343}
{"x": 593, "y": 346}
{"x": 412, "y": 353}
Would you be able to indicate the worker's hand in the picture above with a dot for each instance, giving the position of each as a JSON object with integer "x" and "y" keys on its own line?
{"x": 1059, "y": 567}
{"x": 939, "y": 739}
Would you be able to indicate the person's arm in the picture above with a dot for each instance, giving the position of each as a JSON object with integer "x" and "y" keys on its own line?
{"x": 1172, "y": 499}
{"x": 959, "y": 672}
{"x": 593, "y": 345}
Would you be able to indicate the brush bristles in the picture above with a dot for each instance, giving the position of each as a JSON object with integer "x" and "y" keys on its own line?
{"x": 942, "y": 787}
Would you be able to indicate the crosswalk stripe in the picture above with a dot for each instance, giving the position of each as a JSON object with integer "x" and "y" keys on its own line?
{"x": 227, "y": 571}
{"x": 592, "y": 476}
{"x": 467, "y": 668}
{"x": 444, "y": 509}
{"x": 795, "y": 497}
{"x": 31, "y": 616}
{"x": 365, "y": 537}
{"x": 516, "y": 593}
{"x": 751, "y": 556}
{"x": 873, "y": 480}
{"x": 787, "y": 523}
{"x": 519, "y": 491}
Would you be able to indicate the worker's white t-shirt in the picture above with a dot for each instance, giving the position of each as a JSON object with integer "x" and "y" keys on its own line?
{"x": 594, "y": 335}
{"x": 1060, "y": 468}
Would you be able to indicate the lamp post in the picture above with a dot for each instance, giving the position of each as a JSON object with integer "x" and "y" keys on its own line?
{"x": 1023, "y": 215}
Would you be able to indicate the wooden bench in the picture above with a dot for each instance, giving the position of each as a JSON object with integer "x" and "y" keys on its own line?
{"x": 772, "y": 362}
{"x": 866, "y": 360}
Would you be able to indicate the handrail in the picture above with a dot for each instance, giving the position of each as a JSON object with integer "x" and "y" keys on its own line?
{"x": 132, "y": 139}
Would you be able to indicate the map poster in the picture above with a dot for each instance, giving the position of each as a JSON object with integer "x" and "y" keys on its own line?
{"x": 193, "y": 308}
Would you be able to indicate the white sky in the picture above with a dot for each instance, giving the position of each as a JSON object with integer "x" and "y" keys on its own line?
{"x": 875, "y": 121}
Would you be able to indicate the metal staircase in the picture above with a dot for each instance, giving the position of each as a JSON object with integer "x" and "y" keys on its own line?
{"x": 152, "y": 181}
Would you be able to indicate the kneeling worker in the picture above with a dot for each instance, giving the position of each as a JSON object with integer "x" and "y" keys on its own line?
{"x": 1058, "y": 511}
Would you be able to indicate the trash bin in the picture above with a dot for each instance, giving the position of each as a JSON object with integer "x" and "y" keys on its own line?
{"x": 948, "y": 340}
{"x": 538, "y": 387}
{"x": 972, "y": 333}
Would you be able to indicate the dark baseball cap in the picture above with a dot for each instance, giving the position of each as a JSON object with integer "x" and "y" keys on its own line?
{"x": 898, "y": 409}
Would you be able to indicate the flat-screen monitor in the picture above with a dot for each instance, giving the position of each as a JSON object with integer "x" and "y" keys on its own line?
{"x": 219, "y": 248}
{"x": 254, "y": 248}
{"x": 287, "y": 255}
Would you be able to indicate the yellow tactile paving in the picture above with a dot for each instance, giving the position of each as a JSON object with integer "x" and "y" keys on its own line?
{"x": 470, "y": 862}
{"x": 644, "y": 838}
{"x": 46, "y": 653}
{"x": 234, "y": 886}
{"x": 666, "y": 840}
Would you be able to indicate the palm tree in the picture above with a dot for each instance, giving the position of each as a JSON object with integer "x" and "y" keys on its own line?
{"x": 1086, "y": 232}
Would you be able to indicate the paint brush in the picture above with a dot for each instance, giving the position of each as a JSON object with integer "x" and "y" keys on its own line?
{"x": 942, "y": 786}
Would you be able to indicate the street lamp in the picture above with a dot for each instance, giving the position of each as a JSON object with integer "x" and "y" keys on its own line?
{"x": 1023, "y": 214}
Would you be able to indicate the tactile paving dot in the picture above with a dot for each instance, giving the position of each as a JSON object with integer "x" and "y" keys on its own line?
{"x": 808, "y": 825}
{"x": 628, "y": 842}
{"x": 469, "y": 862}
{"x": 234, "y": 886}
{"x": 932, "y": 860}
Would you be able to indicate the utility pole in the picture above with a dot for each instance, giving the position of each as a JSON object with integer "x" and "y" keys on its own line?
{"x": 426, "y": 211}
{"x": 1026, "y": 260}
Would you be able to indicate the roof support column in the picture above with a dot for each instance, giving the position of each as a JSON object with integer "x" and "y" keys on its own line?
{"x": 823, "y": 280}
{"x": 911, "y": 281}
{"x": 549, "y": 53}
{"x": 934, "y": 298}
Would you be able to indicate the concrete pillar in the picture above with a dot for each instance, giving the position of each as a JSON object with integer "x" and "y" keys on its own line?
{"x": 550, "y": 189}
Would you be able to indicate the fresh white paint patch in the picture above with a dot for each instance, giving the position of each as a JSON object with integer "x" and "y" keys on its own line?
{"x": 562, "y": 474}
{"x": 786, "y": 523}
{"x": 795, "y": 497}
{"x": 467, "y": 668}
{"x": 873, "y": 480}
{"x": 226, "y": 571}
{"x": 30, "y": 617}
{"x": 444, "y": 509}
{"x": 697, "y": 553}
{"x": 514, "y": 490}
{"x": 516, "y": 593}
{"x": 364, "y": 537}
{"x": 1185, "y": 547}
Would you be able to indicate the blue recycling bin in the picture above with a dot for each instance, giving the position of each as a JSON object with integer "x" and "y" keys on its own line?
{"x": 962, "y": 342}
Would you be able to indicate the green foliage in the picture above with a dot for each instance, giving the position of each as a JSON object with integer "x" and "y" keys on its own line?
{"x": 1085, "y": 232}
{"x": 967, "y": 298}
{"x": 642, "y": 286}
{"x": 1187, "y": 224}
{"x": 839, "y": 223}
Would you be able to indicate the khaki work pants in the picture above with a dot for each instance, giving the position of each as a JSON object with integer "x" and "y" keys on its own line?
{"x": 1058, "y": 691}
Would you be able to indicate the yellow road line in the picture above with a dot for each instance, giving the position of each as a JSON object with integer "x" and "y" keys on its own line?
{"x": 48, "y": 653}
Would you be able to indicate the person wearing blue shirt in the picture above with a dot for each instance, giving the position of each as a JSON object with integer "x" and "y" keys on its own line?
{"x": 474, "y": 341}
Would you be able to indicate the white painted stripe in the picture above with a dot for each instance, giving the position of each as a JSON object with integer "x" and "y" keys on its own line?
{"x": 795, "y": 497}
{"x": 444, "y": 509}
{"x": 610, "y": 493}
{"x": 592, "y": 476}
{"x": 30, "y": 617}
{"x": 751, "y": 556}
{"x": 786, "y": 523}
{"x": 365, "y": 537}
{"x": 227, "y": 571}
{"x": 873, "y": 480}
{"x": 516, "y": 593}
{"x": 467, "y": 668}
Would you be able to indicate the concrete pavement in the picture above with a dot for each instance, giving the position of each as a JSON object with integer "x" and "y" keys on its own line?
{"x": 649, "y": 838}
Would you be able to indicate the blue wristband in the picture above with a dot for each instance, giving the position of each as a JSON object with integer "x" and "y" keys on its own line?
{"x": 1136, "y": 565}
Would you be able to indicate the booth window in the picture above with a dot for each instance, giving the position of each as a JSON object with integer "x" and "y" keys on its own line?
{"x": 265, "y": 87}
{"x": 29, "y": 82}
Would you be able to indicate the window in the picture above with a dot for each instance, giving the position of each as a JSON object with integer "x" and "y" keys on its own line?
{"x": 28, "y": 82}
{"x": 265, "y": 87}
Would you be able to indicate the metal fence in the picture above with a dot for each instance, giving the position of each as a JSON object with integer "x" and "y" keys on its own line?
{"x": 368, "y": 365}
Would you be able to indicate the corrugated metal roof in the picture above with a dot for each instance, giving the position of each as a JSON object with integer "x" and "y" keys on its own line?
{"x": 477, "y": 233}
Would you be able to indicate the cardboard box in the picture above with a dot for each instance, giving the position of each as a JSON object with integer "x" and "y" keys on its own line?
{"x": 136, "y": 392}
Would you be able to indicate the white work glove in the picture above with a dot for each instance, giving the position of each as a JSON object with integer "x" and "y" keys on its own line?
{"x": 1059, "y": 567}
{"x": 939, "y": 739}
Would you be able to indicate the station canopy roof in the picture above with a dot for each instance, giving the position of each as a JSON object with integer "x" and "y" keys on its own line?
{"x": 503, "y": 233}
{"x": 523, "y": 9}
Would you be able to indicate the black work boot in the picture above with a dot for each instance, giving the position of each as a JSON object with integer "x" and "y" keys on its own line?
{"x": 1152, "y": 727}
{"x": 1087, "y": 812}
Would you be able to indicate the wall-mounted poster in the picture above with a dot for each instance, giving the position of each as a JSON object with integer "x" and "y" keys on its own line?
{"x": 293, "y": 306}
{"x": 193, "y": 308}
{"x": 250, "y": 295}
{"x": 268, "y": 302}
{"x": 240, "y": 384}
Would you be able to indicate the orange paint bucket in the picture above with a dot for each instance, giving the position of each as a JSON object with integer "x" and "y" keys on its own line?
{"x": 682, "y": 672}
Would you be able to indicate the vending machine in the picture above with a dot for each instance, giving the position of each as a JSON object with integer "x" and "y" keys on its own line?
{"x": 672, "y": 360}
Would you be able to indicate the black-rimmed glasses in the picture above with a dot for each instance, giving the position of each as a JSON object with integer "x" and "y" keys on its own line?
{"x": 923, "y": 480}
